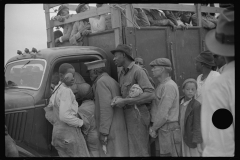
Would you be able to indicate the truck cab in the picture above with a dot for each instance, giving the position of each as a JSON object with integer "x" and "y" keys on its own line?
{"x": 27, "y": 92}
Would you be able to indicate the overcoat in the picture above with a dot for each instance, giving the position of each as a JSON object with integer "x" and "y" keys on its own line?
{"x": 110, "y": 120}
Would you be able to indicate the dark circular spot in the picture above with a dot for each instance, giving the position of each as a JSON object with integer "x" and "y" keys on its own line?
{"x": 222, "y": 118}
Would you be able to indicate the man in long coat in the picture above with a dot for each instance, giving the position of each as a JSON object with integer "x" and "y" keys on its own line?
{"x": 110, "y": 121}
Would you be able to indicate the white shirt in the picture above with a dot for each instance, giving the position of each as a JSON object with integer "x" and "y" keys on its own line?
{"x": 221, "y": 94}
{"x": 97, "y": 24}
{"x": 68, "y": 106}
{"x": 204, "y": 84}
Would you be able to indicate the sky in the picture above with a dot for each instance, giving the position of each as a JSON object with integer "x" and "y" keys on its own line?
{"x": 25, "y": 27}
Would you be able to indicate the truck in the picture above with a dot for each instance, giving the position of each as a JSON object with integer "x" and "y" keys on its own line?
{"x": 28, "y": 75}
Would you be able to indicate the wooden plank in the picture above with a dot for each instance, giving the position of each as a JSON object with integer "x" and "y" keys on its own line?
{"x": 88, "y": 14}
{"x": 211, "y": 9}
{"x": 199, "y": 15}
{"x": 129, "y": 15}
{"x": 172, "y": 7}
{"x": 53, "y": 5}
{"x": 178, "y": 7}
{"x": 72, "y": 7}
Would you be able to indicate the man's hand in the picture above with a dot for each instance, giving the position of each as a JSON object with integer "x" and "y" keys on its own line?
{"x": 120, "y": 102}
{"x": 86, "y": 32}
{"x": 114, "y": 100}
{"x": 152, "y": 133}
{"x": 184, "y": 27}
{"x": 103, "y": 139}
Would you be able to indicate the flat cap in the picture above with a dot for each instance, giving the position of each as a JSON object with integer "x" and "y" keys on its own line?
{"x": 161, "y": 62}
{"x": 95, "y": 64}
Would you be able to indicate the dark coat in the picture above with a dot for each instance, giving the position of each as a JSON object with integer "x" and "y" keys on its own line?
{"x": 192, "y": 127}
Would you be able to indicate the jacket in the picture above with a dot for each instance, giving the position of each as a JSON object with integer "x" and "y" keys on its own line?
{"x": 110, "y": 120}
{"x": 192, "y": 127}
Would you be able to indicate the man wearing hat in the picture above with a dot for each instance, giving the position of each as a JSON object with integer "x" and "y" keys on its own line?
{"x": 165, "y": 111}
{"x": 204, "y": 63}
{"x": 137, "y": 118}
{"x": 80, "y": 28}
{"x": 221, "y": 93}
{"x": 110, "y": 121}
{"x": 63, "y": 11}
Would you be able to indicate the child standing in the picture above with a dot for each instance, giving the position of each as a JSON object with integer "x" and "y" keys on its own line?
{"x": 67, "y": 137}
{"x": 189, "y": 119}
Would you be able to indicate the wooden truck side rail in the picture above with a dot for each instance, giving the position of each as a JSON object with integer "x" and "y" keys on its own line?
{"x": 116, "y": 15}
{"x": 115, "y": 20}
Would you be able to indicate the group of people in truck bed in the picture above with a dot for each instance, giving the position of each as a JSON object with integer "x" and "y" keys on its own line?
{"x": 74, "y": 32}
{"x": 135, "y": 117}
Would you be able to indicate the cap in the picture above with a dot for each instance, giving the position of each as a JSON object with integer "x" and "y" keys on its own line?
{"x": 161, "y": 62}
{"x": 206, "y": 57}
{"x": 95, "y": 64}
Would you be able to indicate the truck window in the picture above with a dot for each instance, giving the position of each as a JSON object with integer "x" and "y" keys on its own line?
{"x": 26, "y": 73}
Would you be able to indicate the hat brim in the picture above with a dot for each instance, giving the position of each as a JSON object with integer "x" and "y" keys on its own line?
{"x": 218, "y": 48}
{"x": 119, "y": 50}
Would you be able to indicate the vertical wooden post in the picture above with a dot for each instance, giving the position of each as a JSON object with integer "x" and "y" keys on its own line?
{"x": 129, "y": 15}
{"x": 49, "y": 26}
{"x": 117, "y": 26}
{"x": 199, "y": 15}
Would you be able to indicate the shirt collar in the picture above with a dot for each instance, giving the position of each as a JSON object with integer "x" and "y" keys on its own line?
{"x": 185, "y": 103}
{"x": 166, "y": 79}
{"x": 128, "y": 68}
{"x": 99, "y": 77}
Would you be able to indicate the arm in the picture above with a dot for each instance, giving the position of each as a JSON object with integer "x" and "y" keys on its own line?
{"x": 171, "y": 17}
{"x": 65, "y": 110}
{"x": 143, "y": 18}
{"x": 197, "y": 135}
{"x": 164, "y": 105}
{"x": 75, "y": 29}
{"x": 69, "y": 28}
{"x": 106, "y": 111}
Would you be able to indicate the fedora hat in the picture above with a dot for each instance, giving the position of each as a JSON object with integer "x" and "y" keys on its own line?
{"x": 206, "y": 57}
{"x": 125, "y": 49}
{"x": 61, "y": 8}
{"x": 221, "y": 40}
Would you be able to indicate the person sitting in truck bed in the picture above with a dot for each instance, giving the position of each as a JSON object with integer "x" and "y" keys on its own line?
{"x": 63, "y": 12}
{"x": 98, "y": 23}
{"x": 141, "y": 18}
{"x": 80, "y": 28}
{"x": 208, "y": 21}
{"x": 156, "y": 18}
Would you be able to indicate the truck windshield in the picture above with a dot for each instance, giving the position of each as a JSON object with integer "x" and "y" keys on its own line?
{"x": 26, "y": 73}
